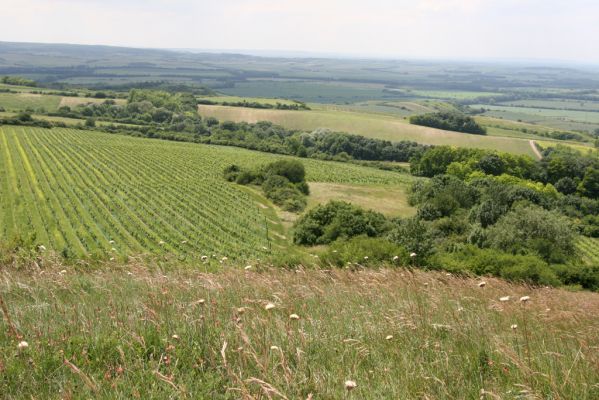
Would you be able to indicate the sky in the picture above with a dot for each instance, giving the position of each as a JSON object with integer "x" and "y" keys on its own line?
{"x": 547, "y": 30}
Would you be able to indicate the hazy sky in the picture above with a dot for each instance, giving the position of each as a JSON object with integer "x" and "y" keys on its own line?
{"x": 565, "y": 30}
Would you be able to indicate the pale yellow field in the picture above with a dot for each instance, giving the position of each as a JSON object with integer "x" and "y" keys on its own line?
{"x": 76, "y": 101}
{"x": 369, "y": 125}
{"x": 390, "y": 200}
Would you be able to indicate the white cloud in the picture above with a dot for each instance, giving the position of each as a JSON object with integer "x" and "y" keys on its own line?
{"x": 549, "y": 29}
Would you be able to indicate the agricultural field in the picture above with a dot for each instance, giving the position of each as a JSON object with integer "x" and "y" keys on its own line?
{"x": 555, "y": 118}
{"x": 310, "y": 92}
{"x": 561, "y": 104}
{"x": 138, "y": 331}
{"x": 21, "y": 101}
{"x": 369, "y": 125}
{"x": 589, "y": 248}
{"x": 237, "y": 99}
{"x": 91, "y": 194}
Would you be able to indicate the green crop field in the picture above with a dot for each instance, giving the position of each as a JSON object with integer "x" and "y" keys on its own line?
{"x": 315, "y": 92}
{"x": 558, "y": 104}
{"x": 21, "y": 101}
{"x": 555, "y": 118}
{"x": 367, "y": 124}
{"x": 77, "y": 191}
{"x": 236, "y": 99}
{"x": 589, "y": 248}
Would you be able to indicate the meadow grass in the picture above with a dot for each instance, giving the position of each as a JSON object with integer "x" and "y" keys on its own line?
{"x": 136, "y": 331}
{"x": 366, "y": 124}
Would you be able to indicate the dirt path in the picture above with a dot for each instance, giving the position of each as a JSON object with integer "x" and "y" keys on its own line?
{"x": 535, "y": 149}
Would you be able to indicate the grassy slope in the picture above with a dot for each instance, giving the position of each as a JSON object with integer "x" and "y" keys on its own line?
{"x": 80, "y": 189}
{"x": 130, "y": 333}
{"x": 370, "y": 125}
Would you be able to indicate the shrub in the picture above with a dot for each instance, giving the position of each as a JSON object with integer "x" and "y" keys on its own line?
{"x": 364, "y": 250}
{"x": 414, "y": 235}
{"x": 337, "y": 219}
{"x": 532, "y": 229}
{"x": 524, "y": 268}
{"x": 291, "y": 169}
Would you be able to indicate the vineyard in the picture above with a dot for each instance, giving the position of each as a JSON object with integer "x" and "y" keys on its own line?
{"x": 589, "y": 249}
{"x": 94, "y": 194}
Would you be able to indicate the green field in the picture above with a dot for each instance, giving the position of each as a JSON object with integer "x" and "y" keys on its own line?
{"x": 21, "y": 101}
{"x": 237, "y": 99}
{"x": 369, "y": 125}
{"x": 76, "y": 191}
{"x": 558, "y": 104}
{"x": 313, "y": 92}
{"x": 556, "y": 118}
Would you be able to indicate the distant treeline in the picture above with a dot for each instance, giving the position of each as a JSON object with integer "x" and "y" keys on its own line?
{"x": 17, "y": 81}
{"x": 450, "y": 121}
{"x": 256, "y": 104}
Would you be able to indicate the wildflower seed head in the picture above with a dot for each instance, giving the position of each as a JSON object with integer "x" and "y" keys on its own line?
{"x": 269, "y": 306}
{"x": 524, "y": 298}
{"x": 294, "y": 317}
{"x": 389, "y": 337}
{"x": 350, "y": 385}
{"x": 514, "y": 326}
{"x": 22, "y": 345}
{"x": 482, "y": 284}
{"x": 504, "y": 298}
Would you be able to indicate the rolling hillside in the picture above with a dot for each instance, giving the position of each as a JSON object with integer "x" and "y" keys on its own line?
{"x": 86, "y": 193}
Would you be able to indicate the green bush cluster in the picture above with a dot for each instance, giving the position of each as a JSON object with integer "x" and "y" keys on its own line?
{"x": 450, "y": 121}
{"x": 337, "y": 219}
{"x": 283, "y": 182}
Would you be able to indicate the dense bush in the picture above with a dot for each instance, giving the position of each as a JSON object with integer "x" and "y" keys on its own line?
{"x": 283, "y": 182}
{"x": 534, "y": 230}
{"x": 337, "y": 219}
{"x": 526, "y": 268}
{"x": 451, "y": 121}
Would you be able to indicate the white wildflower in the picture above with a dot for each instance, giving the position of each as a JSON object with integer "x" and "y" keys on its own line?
{"x": 504, "y": 298}
{"x": 412, "y": 255}
{"x": 389, "y": 337}
{"x": 524, "y": 298}
{"x": 22, "y": 345}
{"x": 248, "y": 267}
{"x": 350, "y": 385}
{"x": 294, "y": 317}
{"x": 482, "y": 284}
{"x": 176, "y": 337}
{"x": 269, "y": 306}
{"x": 514, "y": 326}
{"x": 395, "y": 258}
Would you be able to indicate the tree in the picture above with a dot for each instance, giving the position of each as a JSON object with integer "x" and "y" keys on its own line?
{"x": 530, "y": 230}
{"x": 589, "y": 186}
{"x": 491, "y": 164}
{"x": 90, "y": 123}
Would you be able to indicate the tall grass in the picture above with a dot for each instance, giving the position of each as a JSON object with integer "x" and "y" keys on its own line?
{"x": 138, "y": 332}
